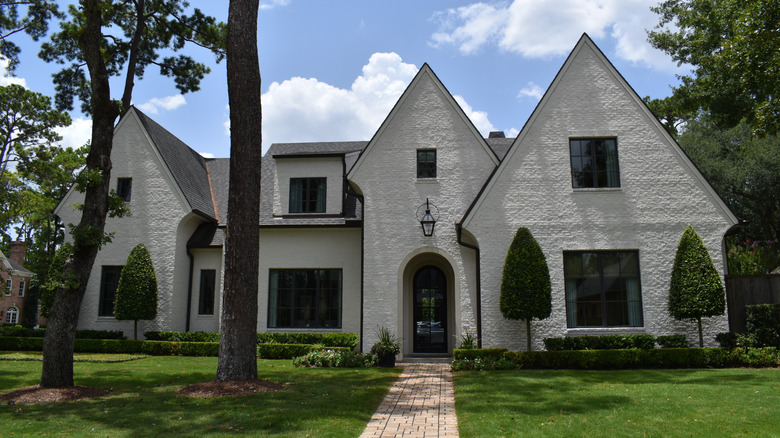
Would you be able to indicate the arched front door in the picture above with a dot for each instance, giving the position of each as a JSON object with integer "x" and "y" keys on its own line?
{"x": 430, "y": 310}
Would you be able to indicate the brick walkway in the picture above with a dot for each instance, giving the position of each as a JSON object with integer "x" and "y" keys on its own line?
{"x": 420, "y": 404}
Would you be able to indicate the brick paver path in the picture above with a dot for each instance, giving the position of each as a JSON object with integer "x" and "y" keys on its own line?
{"x": 420, "y": 404}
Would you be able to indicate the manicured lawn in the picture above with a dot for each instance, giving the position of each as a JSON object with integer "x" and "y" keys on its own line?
{"x": 143, "y": 401}
{"x": 632, "y": 403}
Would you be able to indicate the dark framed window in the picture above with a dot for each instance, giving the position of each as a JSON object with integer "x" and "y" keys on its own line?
{"x": 304, "y": 298}
{"x": 602, "y": 289}
{"x": 426, "y": 163}
{"x": 12, "y": 315}
{"x": 22, "y": 286}
{"x": 124, "y": 188}
{"x": 307, "y": 195}
{"x": 594, "y": 162}
{"x": 9, "y": 286}
{"x": 208, "y": 283}
{"x": 109, "y": 281}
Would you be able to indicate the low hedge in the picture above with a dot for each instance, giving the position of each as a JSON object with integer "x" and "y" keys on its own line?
{"x": 348, "y": 340}
{"x": 24, "y": 332}
{"x": 655, "y": 358}
{"x": 479, "y": 353}
{"x": 604, "y": 342}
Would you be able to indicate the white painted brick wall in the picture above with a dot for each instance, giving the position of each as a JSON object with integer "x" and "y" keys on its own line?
{"x": 658, "y": 198}
{"x": 159, "y": 219}
{"x": 388, "y": 180}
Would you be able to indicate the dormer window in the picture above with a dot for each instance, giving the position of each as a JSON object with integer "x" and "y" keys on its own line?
{"x": 307, "y": 195}
{"x": 124, "y": 188}
{"x": 426, "y": 163}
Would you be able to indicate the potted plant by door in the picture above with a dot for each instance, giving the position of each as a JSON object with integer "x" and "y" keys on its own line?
{"x": 387, "y": 347}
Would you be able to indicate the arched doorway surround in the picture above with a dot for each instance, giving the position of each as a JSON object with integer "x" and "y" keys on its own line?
{"x": 429, "y": 307}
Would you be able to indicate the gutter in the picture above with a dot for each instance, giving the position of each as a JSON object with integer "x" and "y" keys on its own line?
{"x": 351, "y": 191}
{"x": 459, "y": 230}
{"x": 189, "y": 289}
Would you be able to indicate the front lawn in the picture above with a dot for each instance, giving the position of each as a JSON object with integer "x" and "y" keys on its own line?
{"x": 630, "y": 403}
{"x": 143, "y": 401}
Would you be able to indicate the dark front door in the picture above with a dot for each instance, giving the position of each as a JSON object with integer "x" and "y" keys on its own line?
{"x": 430, "y": 311}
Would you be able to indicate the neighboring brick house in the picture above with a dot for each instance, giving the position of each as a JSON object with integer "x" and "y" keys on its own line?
{"x": 601, "y": 185}
{"x": 15, "y": 282}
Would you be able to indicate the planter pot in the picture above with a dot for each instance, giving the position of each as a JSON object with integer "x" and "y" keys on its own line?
{"x": 387, "y": 361}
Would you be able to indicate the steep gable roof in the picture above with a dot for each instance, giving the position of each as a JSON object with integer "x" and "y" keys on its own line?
{"x": 188, "y": 168}
{"x": 585, "y": 43}
{"x": 425, "y": 71}
{"x": 13, "y": 268}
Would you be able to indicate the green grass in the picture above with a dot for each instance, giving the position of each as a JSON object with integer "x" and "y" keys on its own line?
{"x": 143, "y": 401}
{"x": 631, "y": 403}
{"x": 77, "y": 357}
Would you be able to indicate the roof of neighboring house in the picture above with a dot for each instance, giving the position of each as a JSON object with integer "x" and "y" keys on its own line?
{"x": 14, "y": 268}
{"x": 187, "y": 166}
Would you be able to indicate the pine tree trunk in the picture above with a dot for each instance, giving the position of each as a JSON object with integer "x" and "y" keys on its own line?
{"x": 237, "y": 347}
{"x": 528, "y": 334}
{"x": 701, "y": 337}
{"x": 57, "y": 369}
{"x": 135, "y": 330}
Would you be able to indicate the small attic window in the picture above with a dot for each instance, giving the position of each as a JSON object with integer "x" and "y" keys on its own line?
{"x": 426, "y": 163}
{"x": 124, "y": 188}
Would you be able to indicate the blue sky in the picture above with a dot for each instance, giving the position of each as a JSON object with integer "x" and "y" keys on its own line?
{"x": 332, "y": 70}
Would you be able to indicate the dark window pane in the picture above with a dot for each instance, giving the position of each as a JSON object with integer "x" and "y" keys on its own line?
{"x": 208, "y": 278}
{"x": 426, "y": 163}
{"x": 307, "y": 195}
{"x": 124, "y": 188}
{"x": 312, "y": 300}
{"x": 109, "y": 281}
{"x": 594, "y": 163}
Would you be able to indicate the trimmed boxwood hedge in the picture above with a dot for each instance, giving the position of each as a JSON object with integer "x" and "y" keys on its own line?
{"x": 655, "y": 358}
{"x": 479, "y": 353}
{"x": 24, "y": 332}
{"x": 348, "y": 340}
{"x": 604, "y": 342}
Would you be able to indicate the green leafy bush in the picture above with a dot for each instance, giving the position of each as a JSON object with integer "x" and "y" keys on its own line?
{"x": 182, "y": 336}
{"x": 349, "y": 340}
{"x": 335, "y": 359}
{"x": 672, "y": 341}
{"x": 526, "y": 290}
{"x": 695, "y": 290}
{"x": 478, "y": 353}
{"x": 136, "y": 294}
{"x": 289, "y": 351}
{"x": 54, "y": 278}
{"x": 23, "y": 332}
{"x": 763, "y": 324}
{"x": 468, "y": 341}
{"x": 752, "y": 257}
{"x": 482, "y": 364}
{"x": 604, "y": 342}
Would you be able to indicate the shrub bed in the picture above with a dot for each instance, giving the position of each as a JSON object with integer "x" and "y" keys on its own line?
{"x": 482, "y": 364}
{"x": 18, "y": 331}
{"x": 346, "y": 358}
{"x": 348, "y": 340}
{"x": 672, "y": 341}
{"x": 478, "y": 353}
{"x": 605, "y": 342}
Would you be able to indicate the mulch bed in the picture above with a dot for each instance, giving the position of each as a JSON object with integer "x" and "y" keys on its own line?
{"x": 228, "y": 389}
{"x": 37, "y": 394}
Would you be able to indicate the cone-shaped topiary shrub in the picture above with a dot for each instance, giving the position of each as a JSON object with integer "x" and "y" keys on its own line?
{"x": 136, "y": 295}
{"x": 696, "y": 290}
{"x": 526, "y": 292}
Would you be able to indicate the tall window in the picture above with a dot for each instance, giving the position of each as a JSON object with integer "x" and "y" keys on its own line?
{"x": 124, "y": 188}
{"x": 208, "y": 278}
{"x": 9, "y": 285}
{"x": 426, "y": 163}
{"x": 307, "y": 195}
{"x": 594, "y": 162}
{"x": 304, "y": 298}
{"x": 22, "y": 285}
{"x": 11, "y": 315}
{"x": 109, "y": 280}
{"x": 602, "y": 289}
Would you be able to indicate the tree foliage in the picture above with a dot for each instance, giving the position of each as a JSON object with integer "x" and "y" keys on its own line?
{"x": 99, "y": 40}
{"x": 734, "y": 49}
{"x": 743, "y": 169}
{"x": 136, "y": 295}
{"x": 695, "y": 290}
{"x": 526, "y": 291}
{"x": 30, "y": 17}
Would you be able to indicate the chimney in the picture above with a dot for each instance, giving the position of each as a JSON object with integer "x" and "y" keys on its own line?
{"x": 17, "y": 253}
{"x": 496, "y": 134}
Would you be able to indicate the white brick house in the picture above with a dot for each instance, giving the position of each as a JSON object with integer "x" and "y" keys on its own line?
{"x": 603, "y": 188}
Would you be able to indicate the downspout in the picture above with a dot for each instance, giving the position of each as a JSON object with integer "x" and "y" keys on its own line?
{"x": 351, "y": 191}
{"x": 459, "y": 230}
{"x": 189, "y": 289}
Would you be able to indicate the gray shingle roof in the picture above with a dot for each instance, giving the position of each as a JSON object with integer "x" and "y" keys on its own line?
{"x": 219, "y": 178}
{"x": 187, "y": 166}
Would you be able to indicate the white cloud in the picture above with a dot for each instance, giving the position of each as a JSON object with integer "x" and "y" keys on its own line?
{"x": 539, "y": 29}
{"x": 77, "y": 134}
{"x": 270, "y": 4}
{"x": 206, "y": 154}
{"x": 6, "y": 80}
{"x": 532, "y": 91}
{"x": 154, "y": 105}
{"x": 300, "y": 109}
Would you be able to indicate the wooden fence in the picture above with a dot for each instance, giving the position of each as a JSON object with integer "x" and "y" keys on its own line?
{"x": 744, "y": 290}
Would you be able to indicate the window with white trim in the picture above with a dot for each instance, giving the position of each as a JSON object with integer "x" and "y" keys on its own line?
{"x": 11, "y": 315}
